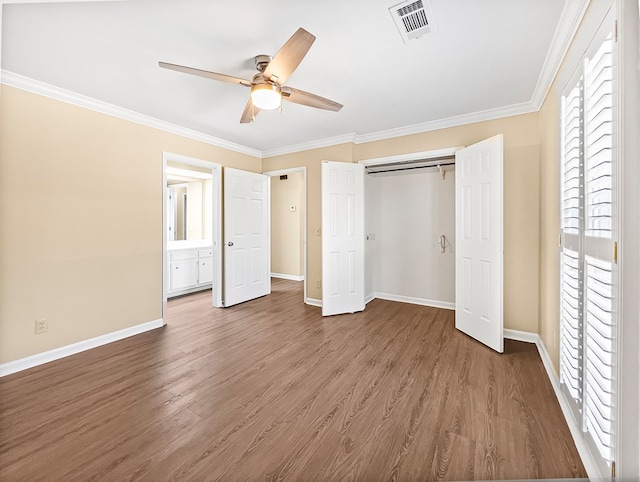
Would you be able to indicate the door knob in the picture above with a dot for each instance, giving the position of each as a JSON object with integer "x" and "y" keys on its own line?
{"x": 230, "y": 243}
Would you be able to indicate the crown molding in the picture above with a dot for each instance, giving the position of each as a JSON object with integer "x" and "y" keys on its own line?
{"x": 481, "y": 116}
{"x": 18, "y": 81}
{"x": 486, "y": 115}
{"x": 306, "y": 146}
{"x": 22, "y": 82}
{"x": 570, "y": 20}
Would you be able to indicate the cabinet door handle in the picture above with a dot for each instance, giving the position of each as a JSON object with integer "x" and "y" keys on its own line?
{"x": 230, "y": 243}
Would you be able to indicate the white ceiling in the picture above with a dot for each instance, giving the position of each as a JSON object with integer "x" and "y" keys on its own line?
{"x": 486, "y": 55}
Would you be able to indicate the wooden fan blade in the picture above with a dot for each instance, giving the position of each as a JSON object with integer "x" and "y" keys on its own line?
{"x": 289, "y": 56}
{"x": 205, "y": 73}
{"x": 250, "y": 111}
{"x": 298, "y": 96}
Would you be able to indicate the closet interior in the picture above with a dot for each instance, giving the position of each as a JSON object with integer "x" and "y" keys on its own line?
{"x": 410, "y": 233}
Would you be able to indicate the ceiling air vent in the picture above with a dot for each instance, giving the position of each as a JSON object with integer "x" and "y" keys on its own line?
{"x": 413, "y": 19}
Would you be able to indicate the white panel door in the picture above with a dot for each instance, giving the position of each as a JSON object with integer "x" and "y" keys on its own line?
{"x": 342, "y": 238}
{"x": 246, "y": 234}
{"x": 479, "y": 242}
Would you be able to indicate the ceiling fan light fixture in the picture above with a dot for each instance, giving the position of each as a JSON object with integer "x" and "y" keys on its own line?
{"x": 266, "y": 96}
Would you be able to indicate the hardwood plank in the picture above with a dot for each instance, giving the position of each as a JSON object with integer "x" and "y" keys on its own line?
{"x": 270, "y": 389}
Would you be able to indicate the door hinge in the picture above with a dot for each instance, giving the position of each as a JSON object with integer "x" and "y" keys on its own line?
{"x": 615, "y": 31}
{"x": 613, "y": 469}
{"x": 615, "y": 252}
{"x": 560, "y": 240}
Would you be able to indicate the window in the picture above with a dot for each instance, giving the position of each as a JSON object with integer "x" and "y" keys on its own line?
{"x": 588, "y": 271}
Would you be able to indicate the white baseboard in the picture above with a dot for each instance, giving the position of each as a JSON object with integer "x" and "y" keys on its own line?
{"x": 64, "y": 351}
{"x": 313, "y": 302}
{"x": 415, "y": 301}
{"x": 388, "y": 297}
{"x": 518, "y": 335}
{"x": 290, "y": 277}
{"x": 581, "y": 445}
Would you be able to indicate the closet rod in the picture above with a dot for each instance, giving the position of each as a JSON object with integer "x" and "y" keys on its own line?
{"x": 407, "y": 168}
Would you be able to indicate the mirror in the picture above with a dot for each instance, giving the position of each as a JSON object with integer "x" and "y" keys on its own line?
{"x": 189, "y": 202}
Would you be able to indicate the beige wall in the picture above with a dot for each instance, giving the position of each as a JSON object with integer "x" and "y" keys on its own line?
{"x": 312, "y": 160}
{"x": 81, "y": 244}
{"x": 549, "y": 288}
{"x": 521, "y": 203}
{"x": 286, "y": 234}
{"x": 65, "y": 207}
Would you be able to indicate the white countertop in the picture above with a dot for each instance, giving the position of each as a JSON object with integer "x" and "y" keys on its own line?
{"x": 194, "y": 244}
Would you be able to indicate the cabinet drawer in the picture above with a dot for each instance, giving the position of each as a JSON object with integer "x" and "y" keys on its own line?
{"x": 186, "y": 255}
{"x": 205, "y": 253}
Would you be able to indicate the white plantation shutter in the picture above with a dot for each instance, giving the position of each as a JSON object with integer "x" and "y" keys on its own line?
{"x": 572, "y": 159}
{"x": 599, "y": 140}
{"x": 598, "y": 248}
{"x": 599, "y": 358}
{"x": 570, "y": 330}
{"x": 571, "y": 282}
{"x": 588, "y": 271}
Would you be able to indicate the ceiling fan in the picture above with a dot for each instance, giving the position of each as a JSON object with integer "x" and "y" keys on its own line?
{"x": 267, "y": 87}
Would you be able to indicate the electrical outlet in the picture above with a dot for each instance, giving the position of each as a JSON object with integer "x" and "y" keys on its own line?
{"x": 317, "y": 283}
{"x": 42, "y": 326}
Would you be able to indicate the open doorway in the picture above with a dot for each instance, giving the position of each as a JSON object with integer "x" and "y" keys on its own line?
{"x": 192, "y": 227}
{"x": 289, "y": 225}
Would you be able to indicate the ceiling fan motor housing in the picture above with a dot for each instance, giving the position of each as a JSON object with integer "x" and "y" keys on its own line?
{"x": 262, "y": 61}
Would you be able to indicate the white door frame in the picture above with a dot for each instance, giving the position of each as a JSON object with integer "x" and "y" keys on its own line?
{"x": 303, "y": 170}
{"x": 628, "y": 441}
{"x": 412, "y": 156}
{"x": 399, "y": 160}
{"x": 216, "y": 224}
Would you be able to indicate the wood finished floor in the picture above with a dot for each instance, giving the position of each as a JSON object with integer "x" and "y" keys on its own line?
{"x": 269, "y": 390}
